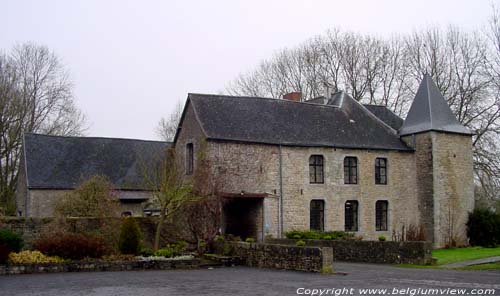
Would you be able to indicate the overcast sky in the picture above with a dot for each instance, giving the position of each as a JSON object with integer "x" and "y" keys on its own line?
{"x": 131, "y": 61}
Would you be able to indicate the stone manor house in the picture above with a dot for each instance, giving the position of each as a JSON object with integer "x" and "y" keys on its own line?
{"x": 326, "y": 164}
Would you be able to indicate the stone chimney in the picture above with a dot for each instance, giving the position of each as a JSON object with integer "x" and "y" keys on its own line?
{"x": 293, "y": 96}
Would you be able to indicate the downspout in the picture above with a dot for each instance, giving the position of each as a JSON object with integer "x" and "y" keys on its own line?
{"x": 280, "y": 207}
{"x": 27, "y": 199}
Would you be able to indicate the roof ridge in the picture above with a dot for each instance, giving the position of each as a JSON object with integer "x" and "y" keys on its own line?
{"x": 370, "y": 114}
{"x": 103, "y": 138}
{"x": 263, "y": 98}
{"x": 429, "y": 100}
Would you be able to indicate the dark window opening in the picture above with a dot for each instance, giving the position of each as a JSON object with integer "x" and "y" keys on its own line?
{"x": 189, "y": 158}
{"x": 317, "y": 215}
{"x": 381, "y": 215}
{"x": 127, "y": 214}
{"x": 350, "y": 170}
{"x": 351, "y": 215}
{"x": 316, "y": 169}
{"x": 381, "y": 171}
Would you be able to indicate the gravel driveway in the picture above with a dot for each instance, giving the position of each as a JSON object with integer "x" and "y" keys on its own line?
{"x": 253, "y": 281}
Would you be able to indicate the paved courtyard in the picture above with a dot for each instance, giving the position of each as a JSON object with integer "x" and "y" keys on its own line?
{"x": 251, "y": 281}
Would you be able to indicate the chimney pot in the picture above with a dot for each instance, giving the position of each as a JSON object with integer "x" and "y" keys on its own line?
{"x": 293, "y": 96}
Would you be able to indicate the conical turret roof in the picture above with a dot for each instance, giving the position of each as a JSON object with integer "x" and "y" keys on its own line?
{"x": 430, "y": 112}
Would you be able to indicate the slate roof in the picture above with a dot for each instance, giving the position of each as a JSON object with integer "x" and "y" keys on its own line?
{"x": 430, "y": 112}
{"x": 272, "y": 121}
{"x": 386, "y": 115}
{"x": 54, "y": 162}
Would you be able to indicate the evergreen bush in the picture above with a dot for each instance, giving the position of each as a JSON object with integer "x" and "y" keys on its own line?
{"x": 319, "y": 235}
{"x": 483, "y": 228}
{"x": 130, "y": 237}
{"x": 11, "y": 240}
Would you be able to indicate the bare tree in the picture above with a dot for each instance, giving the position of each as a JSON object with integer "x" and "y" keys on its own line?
{"x": 167, "y": 127}
{"x": 464, "y": 65}
{"x": 35, "y": 96}
{"x": 171, "y": 192}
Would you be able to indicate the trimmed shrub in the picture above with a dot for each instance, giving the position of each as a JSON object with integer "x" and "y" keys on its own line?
{"x": 250, "y": 240}
{"x": 172, "y": 250}
{"x": 146, "y": 252}
{"x": 483, "y": 228}
{"x": 300, "y": 243}
{"x": 73, "y": 246}
{"x": 32, "y": 257}
{"x": 167, "y": 252}
{"x": 11, "y": 240}
{"x": 382, "y": 238}
{"x": 327, "y": 235}
{"x": 130, "y": 237}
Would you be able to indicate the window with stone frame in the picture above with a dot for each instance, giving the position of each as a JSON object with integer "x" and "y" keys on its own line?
{"x": 381, "y": 170}
{"x": 189, "y": 158}
{"x": 381, "y": 217}
{"x": 350, "y": 170}
{"x": 317, "y": 215}
{"x": 316, "y": 169}
{"x": 351, "y": 215}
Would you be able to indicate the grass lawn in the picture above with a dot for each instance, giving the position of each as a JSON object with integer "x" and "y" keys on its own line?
{"x": 446, "y": 256}
{"x": 486, "y": 266}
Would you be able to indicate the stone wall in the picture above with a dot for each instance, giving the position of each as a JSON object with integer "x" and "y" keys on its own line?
{"x": 453, "y": 187}
{"x": 311, "y": 259}
{"x": 445, "y": 185}
{"x": 424, "y": 178}
{"x": 99, "y": 266}
{"x": 31, "y": 228}
{"x": 372, "y": 251}
{"x": 41, "y": 202}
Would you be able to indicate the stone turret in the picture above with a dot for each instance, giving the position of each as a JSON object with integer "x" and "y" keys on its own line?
{"x": 443, "y": 155}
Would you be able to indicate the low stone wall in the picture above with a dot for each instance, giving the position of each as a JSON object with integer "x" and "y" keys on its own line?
{"x": 98, "y": 266}
{"x": 310, "y": 259}
{"x": 388, "y": 252}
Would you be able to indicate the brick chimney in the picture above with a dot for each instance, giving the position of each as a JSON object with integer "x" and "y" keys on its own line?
{"x": 293, "y": 96}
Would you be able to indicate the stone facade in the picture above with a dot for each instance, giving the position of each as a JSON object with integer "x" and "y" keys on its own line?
{"x": 255, "y": 168}
{"x": 445, "y": 185}
{"x": 241, "y": 167}
{"x": 399, "y": 191}
{"x": 421, "y": 182}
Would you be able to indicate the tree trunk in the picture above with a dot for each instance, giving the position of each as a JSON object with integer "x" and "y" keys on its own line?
{"x": 156, "y": 245}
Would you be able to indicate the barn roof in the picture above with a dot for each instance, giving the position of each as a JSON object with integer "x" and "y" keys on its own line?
{"x": 342, "y": 123}
{"x": 56, "y": 162}
{"x": 386, "y": 115}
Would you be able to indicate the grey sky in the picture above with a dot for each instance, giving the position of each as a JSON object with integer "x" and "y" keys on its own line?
{"x": 131, "y": 61}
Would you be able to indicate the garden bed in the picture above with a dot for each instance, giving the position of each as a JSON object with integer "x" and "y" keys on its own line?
{"x": 99, "y": 265}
